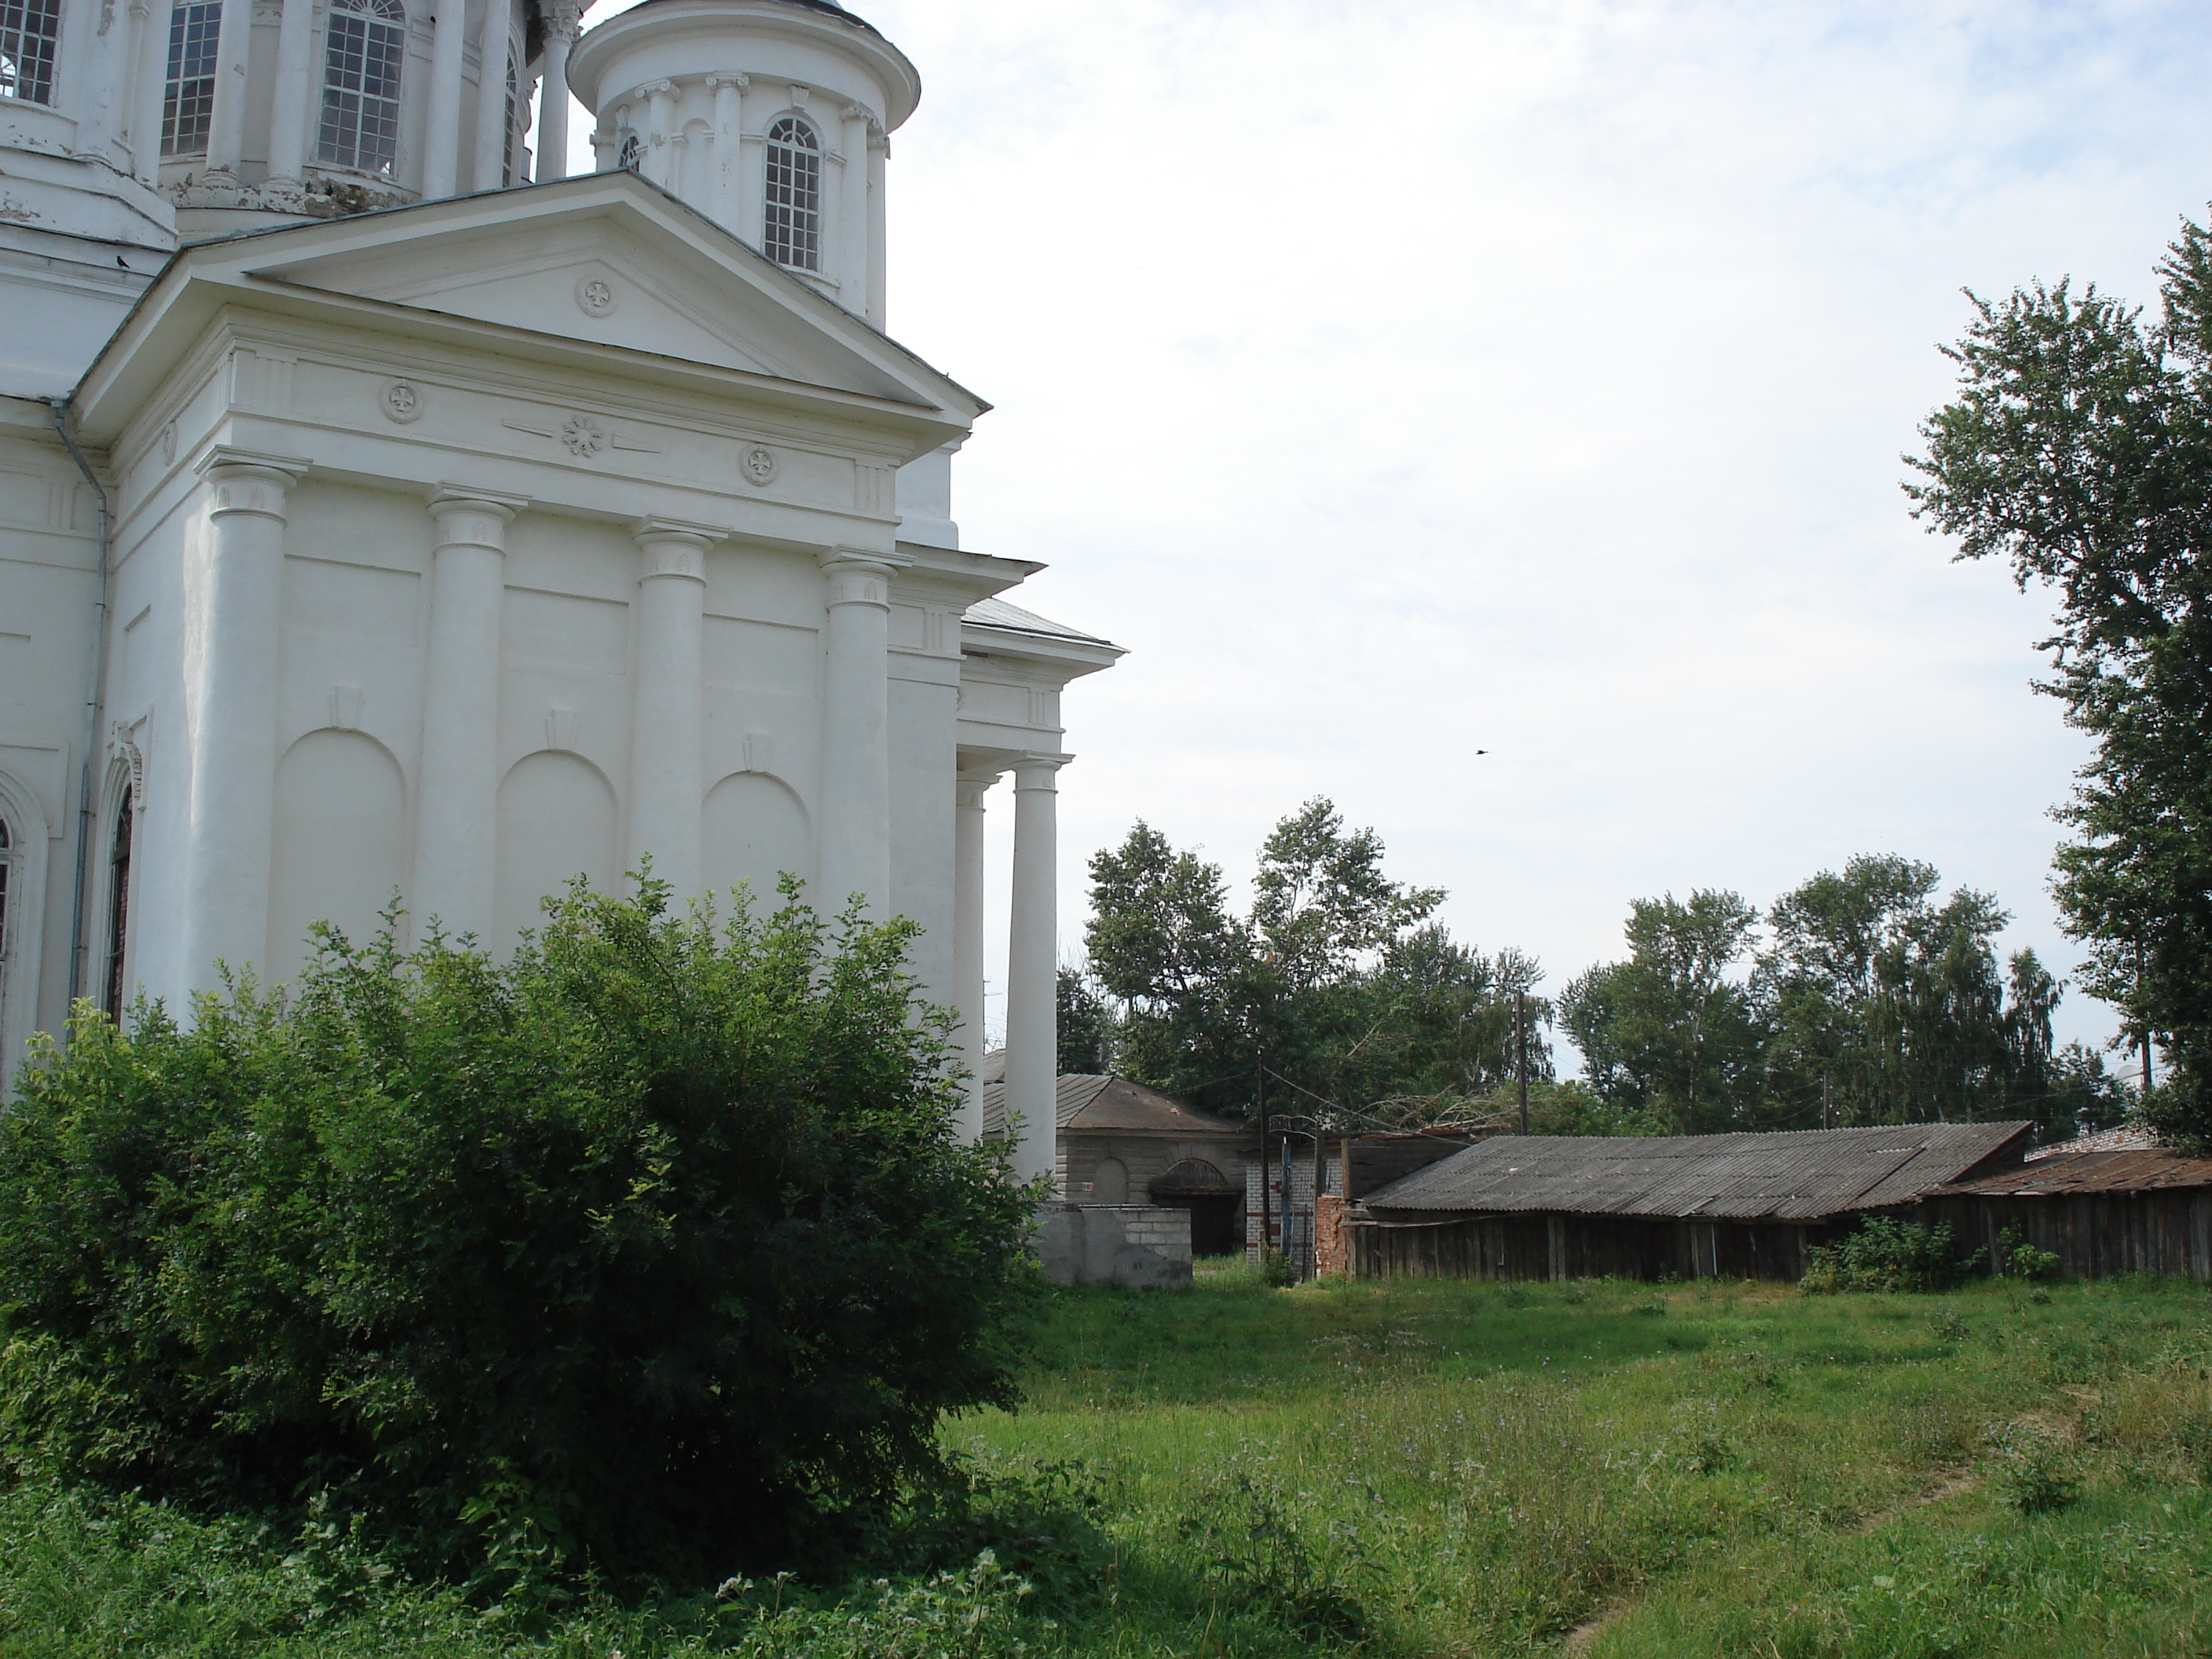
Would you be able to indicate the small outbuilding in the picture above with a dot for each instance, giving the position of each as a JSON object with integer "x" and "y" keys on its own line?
{"x": 1688, "y": 1207}
{"x": 1122, "y": 1143}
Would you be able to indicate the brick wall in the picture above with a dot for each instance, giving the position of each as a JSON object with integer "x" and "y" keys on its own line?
{"x": 1330, "y": 1260}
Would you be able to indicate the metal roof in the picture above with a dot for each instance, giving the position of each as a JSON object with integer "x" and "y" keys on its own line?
{"x": 1087, "y": 1103}
{"x": 997, "y": 613}
{"x": 1796, "y": 1175}
{"x": 2143, "y": 1169}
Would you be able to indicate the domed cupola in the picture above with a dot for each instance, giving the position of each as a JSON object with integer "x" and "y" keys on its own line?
{"x": 770, "y": 116}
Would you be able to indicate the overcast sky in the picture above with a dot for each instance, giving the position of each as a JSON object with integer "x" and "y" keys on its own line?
{"x": 1402, "y": 380}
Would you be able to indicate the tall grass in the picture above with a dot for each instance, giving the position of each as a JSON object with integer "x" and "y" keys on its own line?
{"x": 1403, "y": 1469}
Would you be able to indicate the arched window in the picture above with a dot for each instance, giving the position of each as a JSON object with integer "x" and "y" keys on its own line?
{"x": 793, "y": 235}
{"x": 631, "y": 153}
{"x": 361, "y": 85}
{"x": 118, "y": 906}
{"x": 189, "y": 98}
{"x": 29, "y": 29}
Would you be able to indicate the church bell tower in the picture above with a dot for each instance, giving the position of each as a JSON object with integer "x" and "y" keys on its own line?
{"x": 770, "y": 116}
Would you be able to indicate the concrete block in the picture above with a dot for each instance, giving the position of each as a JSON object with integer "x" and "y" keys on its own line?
{"x": 1134, "y": 1246}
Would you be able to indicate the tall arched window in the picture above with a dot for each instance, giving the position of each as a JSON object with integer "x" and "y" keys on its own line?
{"x": 7, "y": 870}
{"x": 793, "y": 235}
{"x": 29, "y": 29}
{"x": 631, "y": 153}
{"x": 513, "y": 120}
{"x": 118, "y": 906}
{"x": 189, "y": 98}
{"x": 361, "y": 85}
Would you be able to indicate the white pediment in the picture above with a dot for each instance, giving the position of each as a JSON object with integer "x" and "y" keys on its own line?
{"x": 606, "y": 260}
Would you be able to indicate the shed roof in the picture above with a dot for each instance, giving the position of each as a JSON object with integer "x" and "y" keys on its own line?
{"x": 2127, "y": 1138}
{"x": 1088, "y": 1103}
{"x": 2138, "y": 1170}
{"x": 1795, "y": 1175}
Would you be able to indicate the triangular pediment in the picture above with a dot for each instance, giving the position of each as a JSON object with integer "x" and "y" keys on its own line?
{"x": 607, "y": 260}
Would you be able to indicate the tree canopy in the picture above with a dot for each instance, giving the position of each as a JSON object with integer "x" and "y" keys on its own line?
{"x": 2079, "y": 450}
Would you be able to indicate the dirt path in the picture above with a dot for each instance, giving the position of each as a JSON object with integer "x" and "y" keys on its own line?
{"x": 1583, "y": 1637}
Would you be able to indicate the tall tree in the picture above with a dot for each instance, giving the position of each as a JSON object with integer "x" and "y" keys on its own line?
{"x": 1671, "y": 1028}
{"x": 2079, "y": 449}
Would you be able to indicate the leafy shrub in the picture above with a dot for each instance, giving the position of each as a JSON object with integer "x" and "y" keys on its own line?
{"x": 2033, "y": 1475}
{"x": 651, "y": 1247}
{"x": 1886, "y": 1254}
{"x": 1253, "y": 1550}
{"x": 2020, "y": 1259}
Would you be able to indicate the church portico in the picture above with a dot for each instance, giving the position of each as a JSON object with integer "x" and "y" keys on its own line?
{"x": 448, "y": 553}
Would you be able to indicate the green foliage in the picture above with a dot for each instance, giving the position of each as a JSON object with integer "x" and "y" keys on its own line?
{"x": 2033, "y": 1475}
{"x": 2079, "y": 449}
{"x": 1084, "y": 1023}
{"x": 649, "y": 1247}
{"x": 1885, "y": 1253}
{"x": 1332, "y": 984}
{"x": 2018, "y": 1259}
{"x": 1868, "y": 1002}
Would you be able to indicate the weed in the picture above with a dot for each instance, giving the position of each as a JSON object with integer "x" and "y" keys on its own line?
{"x": 2033, "y": 1475}
{"x": 1949, "y": 1326}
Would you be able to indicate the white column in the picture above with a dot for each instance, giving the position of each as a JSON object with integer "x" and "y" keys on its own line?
{"x": 879, "y": 152}
{"x": 153, "y": 21}
{"x": 852, "y": 213}
{"x": 231, "y": 714}
{"x": 1032, "y": 967}
{"x": 553, "y": 93}
{"x": 442, "y": 135}
{"x": 752, "y": 183}
{"x": 855, "y": 824}
{"x": 969, "y": 823}
{"x": 91, "y": 74}
{"x": 288, "y": 114}
{"x": 456, "y": 788}
{"x": 725, "y": 198}
{"x": 227, "y": 118}
{"x": 489, "y": 172}
{"x": 659, "y": 160}
{"x": 665, "y": 711}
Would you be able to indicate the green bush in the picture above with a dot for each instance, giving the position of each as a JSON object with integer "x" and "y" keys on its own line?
{"x": 650, "y": 1247}
{"x": 1886, "y": 1254}
{"x": 2020, "y": 1259}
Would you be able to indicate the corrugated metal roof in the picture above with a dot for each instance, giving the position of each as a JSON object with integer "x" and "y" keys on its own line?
{"x": 997, "y": 613}
{"x": 2139, "y": 1171}
{"x": 1089, "y": 1104}
{"x": 1796, "y": 1175}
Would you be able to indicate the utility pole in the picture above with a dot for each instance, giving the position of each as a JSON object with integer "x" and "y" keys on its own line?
{"x": 1520, "y": 1053}
{"x": 1823, "y": 1100}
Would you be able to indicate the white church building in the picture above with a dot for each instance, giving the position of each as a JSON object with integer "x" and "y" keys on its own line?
{"x": 376, "y": 519}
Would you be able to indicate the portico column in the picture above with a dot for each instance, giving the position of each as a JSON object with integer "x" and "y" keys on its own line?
{"x": 441, "y": 138}
{"x": 728, "y": 147}
{"x": 553, "y": 93}
{"x": 879, "y": 150}
{"x": 231, "y": 714}
{"x": 666, "y": 712}
{"x": 853, "y": 214}
{"x": 1032, "y": 966}
{"x": 969, "y": 818}
{"x": 287, "y": 109}
{"x": 226, "y": 112}
{"x": 856, "y": 830}
{"x": 489, "y": 171}
{"x": 152, "y": 86}
{"x": 456, "y": 791}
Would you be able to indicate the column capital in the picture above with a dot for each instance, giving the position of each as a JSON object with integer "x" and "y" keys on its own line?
{"x": 564, "y": 21}
{"x": 648, "y": 532}
{"x": 733, "y": 78}
{"x": 246, "y": 481}
{"x": 462, "y": 498}
{"x": 1039, "y": 771}
{"x": 653, "y": 90}
{"x": 672, "y": 548}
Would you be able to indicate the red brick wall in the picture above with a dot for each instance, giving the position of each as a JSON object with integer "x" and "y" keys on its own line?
{"x": 1329, "y": 1258}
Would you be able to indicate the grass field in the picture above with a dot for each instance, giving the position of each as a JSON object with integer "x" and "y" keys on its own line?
{"x": 1415, "y": 1469}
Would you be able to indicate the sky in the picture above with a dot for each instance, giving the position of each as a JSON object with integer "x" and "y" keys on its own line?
{"x": 1402, "y": 381}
